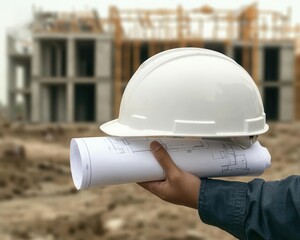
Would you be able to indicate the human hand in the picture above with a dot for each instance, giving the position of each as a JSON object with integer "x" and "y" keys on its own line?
{"x": 180, "y": 187}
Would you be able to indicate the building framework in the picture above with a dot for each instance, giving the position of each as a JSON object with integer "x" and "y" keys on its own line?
{"x": 77, "y": 64}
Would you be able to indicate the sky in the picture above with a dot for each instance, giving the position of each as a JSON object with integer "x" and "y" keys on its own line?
{"x": 17, "y": 13}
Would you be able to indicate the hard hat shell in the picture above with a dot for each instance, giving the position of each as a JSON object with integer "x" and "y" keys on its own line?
{"x": 189, "y": 92}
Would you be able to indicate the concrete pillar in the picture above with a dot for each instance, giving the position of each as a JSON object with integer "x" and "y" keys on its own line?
{"x": 261, "y": 67}
{"x": 35, "y": 91}
{"x": 20, "y": 76}
{"x": 46, "y": 61}
{"x": 103, "y": 64}
{"x": 36, "y": 58}
{"x": 12, "y": 74}
{"x": 104, "y": 101}
{"x": 45, "y": 103}
{"x": 71, "y": 57}
{"x": 103, "y": 70}
{"x": 286, "y": 64}
{"x": 27, "y": 75}
{"x": 261, "y": 64}
{"x": 11, "y": 70}
{"x": 70, "y": 102}
{"x": 58, "y": 66}
{"x": 12, "y": 106}
{"x": 61, "y": 101}
{"x": 35, "y": 85}
{"x": 71, "y": 65}
{"x": 287, "y": 72}
{"x": 286, "y": 104}
{"x": 27, "y": 107}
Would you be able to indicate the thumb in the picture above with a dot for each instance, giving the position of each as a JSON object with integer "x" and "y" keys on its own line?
{"x": 163, "y": 158}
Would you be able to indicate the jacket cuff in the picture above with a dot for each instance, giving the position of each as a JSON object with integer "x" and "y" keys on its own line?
{"x": 223, "y": 204}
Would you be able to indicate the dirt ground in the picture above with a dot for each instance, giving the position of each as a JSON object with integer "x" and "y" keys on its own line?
{"x": 38, "y": 200}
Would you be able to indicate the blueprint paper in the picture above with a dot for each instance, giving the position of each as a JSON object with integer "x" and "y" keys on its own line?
{"x": 105, "y": 161}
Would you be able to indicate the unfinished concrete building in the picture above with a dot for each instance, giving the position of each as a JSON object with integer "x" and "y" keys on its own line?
{"x": 80, "y": 63}
{"x": 263, "y": 42}
{"x": 69, "y": 71}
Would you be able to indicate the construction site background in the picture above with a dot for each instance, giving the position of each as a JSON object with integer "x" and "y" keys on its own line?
{"x": 74, "y": 66}
{"x": 68, "y": 71}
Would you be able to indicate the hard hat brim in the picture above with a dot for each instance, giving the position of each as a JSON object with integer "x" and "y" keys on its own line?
{"x": 115, "y": 128}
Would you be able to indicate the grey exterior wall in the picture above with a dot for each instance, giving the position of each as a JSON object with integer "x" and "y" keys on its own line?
{"x": 287, "y": 75}
{"x": 285, "y": 83}
{"x": 102, "y": 79}
{"x": 38, "y": 96}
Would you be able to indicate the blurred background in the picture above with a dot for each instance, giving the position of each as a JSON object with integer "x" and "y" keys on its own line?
{"x": 63, "y": 68}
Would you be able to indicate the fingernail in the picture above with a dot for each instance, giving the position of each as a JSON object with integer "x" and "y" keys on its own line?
{"x": 155, "y": 146}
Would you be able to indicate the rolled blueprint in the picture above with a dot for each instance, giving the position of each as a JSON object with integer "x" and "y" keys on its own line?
{"x": 102, "y": 161}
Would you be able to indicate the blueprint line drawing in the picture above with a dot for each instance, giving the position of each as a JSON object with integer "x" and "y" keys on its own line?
{"x": 118, "y": 145}
{"x": 231, "y": 161}
{"x": 134, "y": 145}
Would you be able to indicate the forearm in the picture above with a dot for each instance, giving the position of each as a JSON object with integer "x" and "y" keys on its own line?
{"x": 254, "y": 210}
{"x": 222, "y": 204}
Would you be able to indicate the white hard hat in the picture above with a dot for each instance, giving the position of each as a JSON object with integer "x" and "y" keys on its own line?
{"x": 190, "y": 92}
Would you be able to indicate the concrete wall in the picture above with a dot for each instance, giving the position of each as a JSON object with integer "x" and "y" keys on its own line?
{"x": 103, "y": 78}
{"x": 45, "y": 104}
{"x": 287, "y": 75}
{"x": 18, "y": 83}
{"x": 61, "y": 104}
{"x": 104, "y": 74}
{"x": 285, "y": 82}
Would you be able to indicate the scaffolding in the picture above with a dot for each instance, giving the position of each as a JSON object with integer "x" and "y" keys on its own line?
{"x": 65, "y": 22}
{"x": 141, "y": 33}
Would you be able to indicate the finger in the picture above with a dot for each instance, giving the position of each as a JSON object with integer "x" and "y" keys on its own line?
{"x": 163, "y": 158}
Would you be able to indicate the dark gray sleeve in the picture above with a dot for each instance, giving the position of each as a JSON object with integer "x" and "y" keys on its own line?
{"x": 254, "y": 210}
